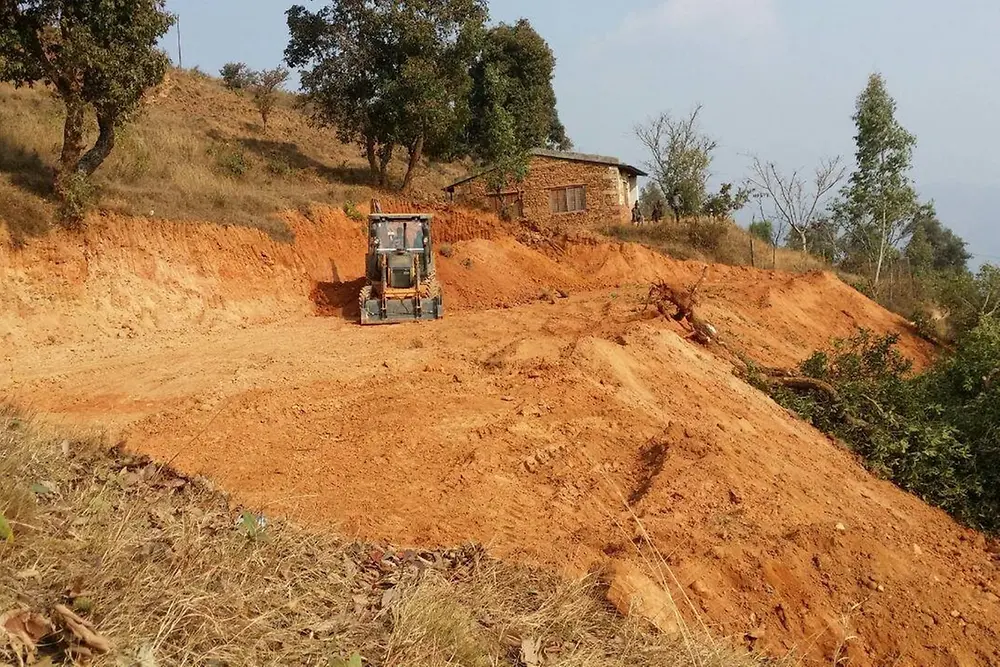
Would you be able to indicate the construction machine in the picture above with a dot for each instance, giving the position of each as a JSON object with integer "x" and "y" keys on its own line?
{"x": 400, "y": 281}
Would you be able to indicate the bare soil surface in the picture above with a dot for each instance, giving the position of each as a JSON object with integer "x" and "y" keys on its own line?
{"x": 540, "y": 427}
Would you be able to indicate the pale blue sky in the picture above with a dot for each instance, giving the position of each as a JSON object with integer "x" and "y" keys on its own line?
{"x": 776, "y": 77}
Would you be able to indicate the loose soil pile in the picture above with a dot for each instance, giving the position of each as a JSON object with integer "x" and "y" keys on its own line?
{"x": 538, "y": 426}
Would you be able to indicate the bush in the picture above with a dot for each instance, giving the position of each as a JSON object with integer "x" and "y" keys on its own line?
{"x": 231, "y": 160}
{"x": 446, "y": 250}
{"x": 236, "y": 76}
{"x": 76, "y": 197}
{"x": 352, "y": 212}
{"x": 934, "y": 434}
{"x": 708, "y": 233}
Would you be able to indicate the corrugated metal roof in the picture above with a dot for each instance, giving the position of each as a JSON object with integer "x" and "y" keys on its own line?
{"x": 564, "y": 155}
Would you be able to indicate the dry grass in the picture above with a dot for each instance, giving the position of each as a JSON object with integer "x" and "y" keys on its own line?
{"x": 712, "y": 240}
{"x": 171, "y": 574}
{"x": 197, "y": 152}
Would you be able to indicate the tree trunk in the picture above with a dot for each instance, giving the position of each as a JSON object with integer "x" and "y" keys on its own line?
{"x": 372, "y": 159}
{"x": 416, "y": 151}
{"x": 385, "y": 157}
{"x": 805, "y": 241}
{"x": 96, "y": 156}
{"x": 72, "y": 148}
{"x": 882, "y": 242}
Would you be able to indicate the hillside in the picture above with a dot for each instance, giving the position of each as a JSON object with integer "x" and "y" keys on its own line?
{"x": 520, "y": 422}
{"x": 197, "y": 152}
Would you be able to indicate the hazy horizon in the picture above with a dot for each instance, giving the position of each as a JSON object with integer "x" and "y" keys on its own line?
{"x": 775, "y": 78}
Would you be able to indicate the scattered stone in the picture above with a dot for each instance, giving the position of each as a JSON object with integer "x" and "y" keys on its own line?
{"x": 700, "y": 589}
{"x": 621, "y": 340}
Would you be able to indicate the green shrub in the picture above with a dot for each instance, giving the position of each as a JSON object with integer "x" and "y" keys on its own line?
{"x": 936, "y": 434}
{"x": 77, "y": 194}
{"x": 231, "y": 160}
{"x": 352, "y": 212}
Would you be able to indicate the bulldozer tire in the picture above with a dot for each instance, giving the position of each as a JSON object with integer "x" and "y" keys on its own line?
{"x": 364, "y": 296}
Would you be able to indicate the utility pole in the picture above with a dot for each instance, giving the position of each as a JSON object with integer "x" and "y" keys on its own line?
{"x": 180, "y": 53}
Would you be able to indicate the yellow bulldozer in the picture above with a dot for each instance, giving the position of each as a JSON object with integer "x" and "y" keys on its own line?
{"x": 401, "y": 284}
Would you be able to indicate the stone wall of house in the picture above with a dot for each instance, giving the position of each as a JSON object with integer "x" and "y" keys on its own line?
{"x": 603, "y": 183}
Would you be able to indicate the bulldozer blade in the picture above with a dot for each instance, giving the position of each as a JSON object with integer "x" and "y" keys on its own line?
{"x": 401, "y": 310}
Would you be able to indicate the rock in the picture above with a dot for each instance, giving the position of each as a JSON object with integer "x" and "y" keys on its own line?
{"x": 700, "y": 589}
{"x": 881, "y": 588}
{"x": 917, "y": 551}
{"x": 956, "y": 613}
{"x": 632, "y": 592}
{"x": 735, "y": 498}
{"x": 562, "y": 294}
{"x": 990, "y": 597}
{"x": 841, "y": 528}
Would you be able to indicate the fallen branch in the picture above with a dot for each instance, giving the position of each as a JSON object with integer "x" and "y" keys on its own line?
{"x": 83, "y": 630}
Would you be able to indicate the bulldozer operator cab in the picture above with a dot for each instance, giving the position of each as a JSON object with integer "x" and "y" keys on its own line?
{"x": 400, "y": 280}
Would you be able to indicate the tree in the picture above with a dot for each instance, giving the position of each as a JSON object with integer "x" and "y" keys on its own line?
{"x": 265, "y": 86}
{"x": 726, "y": 202}
{"x": 500, "y": 144}
{"x": 680, "y": 156}
{"x": 387, "y": 74}
{"x": 236, "y": 76}
{"x": 793, "y": 200}
{"x": 649, "y": 196}
{"x": 970, "y": 298}
{"x": 823, "y": 239}
{"x": 515, "y": 71}
{"x": 879, "y": 199}
{"x": 932, "y": 246}
{"x": 99, "y": 56}
{"x": 762, "y": 229}
{"x": 776, "y": 227}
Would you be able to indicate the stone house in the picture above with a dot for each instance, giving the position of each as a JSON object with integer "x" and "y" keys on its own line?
{"x": 593, "y": 190}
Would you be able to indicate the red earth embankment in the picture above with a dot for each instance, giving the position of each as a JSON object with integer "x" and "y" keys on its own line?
{"x": 522, "y": 423}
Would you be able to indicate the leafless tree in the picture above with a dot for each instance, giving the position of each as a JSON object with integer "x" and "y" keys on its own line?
{"x": 778, "y": 227}
{"x": 679, "y": 158}
{"x": 794, "y": 200}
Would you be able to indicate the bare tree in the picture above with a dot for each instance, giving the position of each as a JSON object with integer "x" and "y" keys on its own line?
{"x": 778, "y": 226}
{"x": 794, "y": 201}
{"x": 680, "y": 156}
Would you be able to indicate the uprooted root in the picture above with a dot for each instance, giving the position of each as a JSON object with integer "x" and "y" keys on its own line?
{"x": 680, "y": 307}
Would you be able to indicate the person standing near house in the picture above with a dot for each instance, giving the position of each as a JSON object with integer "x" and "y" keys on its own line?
{"x": 637, "y": 215}
{"x": 657, "y": 211}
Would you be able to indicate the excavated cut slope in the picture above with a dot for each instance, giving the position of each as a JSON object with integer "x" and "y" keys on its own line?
{"x": 537, "y": 427}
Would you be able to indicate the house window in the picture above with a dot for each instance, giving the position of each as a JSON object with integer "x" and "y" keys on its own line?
{"x": 569, "y": 199}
